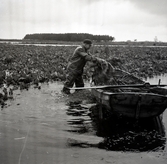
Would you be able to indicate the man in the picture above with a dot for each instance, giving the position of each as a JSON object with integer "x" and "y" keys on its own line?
{"x": 76, "y": 65}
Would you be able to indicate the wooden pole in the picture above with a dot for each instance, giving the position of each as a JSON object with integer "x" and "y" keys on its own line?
{"x": 146, "y": 85}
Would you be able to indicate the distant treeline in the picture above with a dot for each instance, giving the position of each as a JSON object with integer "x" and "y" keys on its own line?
{"x": 69, "y": 37}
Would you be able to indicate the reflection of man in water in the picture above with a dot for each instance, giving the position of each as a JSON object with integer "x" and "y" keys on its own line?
{"x": 76, "y": 64}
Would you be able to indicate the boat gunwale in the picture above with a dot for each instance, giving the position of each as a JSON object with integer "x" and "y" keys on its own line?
{"x": 130, "y": 93}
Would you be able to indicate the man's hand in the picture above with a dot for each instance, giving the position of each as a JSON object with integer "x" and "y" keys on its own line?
{"x": 94, "y": 59}
{"x": 90, "y": 58}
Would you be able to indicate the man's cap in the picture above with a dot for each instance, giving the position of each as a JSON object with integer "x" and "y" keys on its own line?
{"x": 87, "y": 41}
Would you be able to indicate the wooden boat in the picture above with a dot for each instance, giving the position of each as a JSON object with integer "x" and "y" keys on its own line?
{"x": 131, "y": 100}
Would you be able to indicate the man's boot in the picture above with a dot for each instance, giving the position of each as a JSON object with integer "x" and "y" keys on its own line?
{"x": 66, "y": 91}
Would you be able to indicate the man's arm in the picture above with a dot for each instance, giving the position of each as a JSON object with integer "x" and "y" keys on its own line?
{"x": 87, "y": 56}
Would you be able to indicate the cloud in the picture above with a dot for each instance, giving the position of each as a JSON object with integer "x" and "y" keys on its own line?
{"x": 156, "y": 7}
{"x": 123, "y": 19}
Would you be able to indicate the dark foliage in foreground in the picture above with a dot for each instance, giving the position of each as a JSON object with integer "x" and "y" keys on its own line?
{"x": 46, "y": 63}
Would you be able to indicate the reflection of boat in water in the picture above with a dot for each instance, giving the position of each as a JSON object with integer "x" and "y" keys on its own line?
{"x": 119, "y": 133}
{"x": 131, "y": 100}
{"x": 128, "y": 134}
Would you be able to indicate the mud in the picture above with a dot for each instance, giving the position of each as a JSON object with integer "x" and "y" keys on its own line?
{"x": 45, "y": 126}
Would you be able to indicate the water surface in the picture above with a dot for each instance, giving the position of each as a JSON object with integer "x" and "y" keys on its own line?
{"x": 43, "y": 126}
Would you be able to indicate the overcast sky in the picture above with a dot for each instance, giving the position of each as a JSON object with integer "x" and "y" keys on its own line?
{"x": 123, "y": 19}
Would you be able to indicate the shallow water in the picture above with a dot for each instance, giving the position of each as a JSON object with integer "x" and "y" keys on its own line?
{"x": 155, "y": 79}
{"x": 50, "y": 44}
{"x": 45, "y": 126}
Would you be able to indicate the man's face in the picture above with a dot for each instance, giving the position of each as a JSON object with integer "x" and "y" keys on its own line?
{"x": 87, "y": 46}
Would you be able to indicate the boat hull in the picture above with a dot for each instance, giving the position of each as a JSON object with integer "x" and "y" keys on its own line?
{"x": 132, "y": 104}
